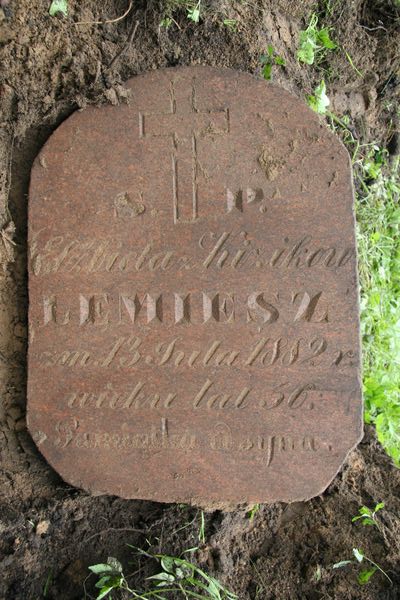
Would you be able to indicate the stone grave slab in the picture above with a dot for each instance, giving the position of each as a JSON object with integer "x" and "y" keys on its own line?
{"x": 194, "y": 327}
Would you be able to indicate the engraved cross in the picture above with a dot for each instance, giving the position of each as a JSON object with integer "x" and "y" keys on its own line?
{"x": 184, "y": 138}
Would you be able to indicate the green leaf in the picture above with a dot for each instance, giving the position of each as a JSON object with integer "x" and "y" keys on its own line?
{"x": 314, "y": 42}
{"x": 319, "y": 102}
{"x": 168, "y": 564}
{"x": 167, "y": 22}
{"x": 163, "y": 577}
{"x": 101, "y": 568}
{"x": 341, "y": 564}
{"x": 325, "y": 40}
{"x": 380, "y": 505}
{"x": 306, "y": 54}
{"x": 267, "y": 71}
{"x": 194, "y": 14}
{"x": 105, "y": 591}
{"x": 279, "y": 60}
{"x": 213, "y": 590}
{"x": 364, "y": 510}
{"x": 115, "y": 564}
{"x": 230, "y": 23}
{"x": 254, "y": 509}
{"x": 194, "y": 549}
{"x": 354, "y": 519}
{"x": 307, "y": 47}
{"x": 58, "y": 6}
{"x": 180, "y": 573}
{"x": 105, "y": 580}
{"x": 365, "y": 575}
{"x": 359, "y": 556}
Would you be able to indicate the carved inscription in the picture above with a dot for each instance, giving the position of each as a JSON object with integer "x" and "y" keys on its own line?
{"x": 193, "y": 295}
{"x": 237, "y": 200}
{"x": 205, "y": 308}
{"x": 221, "y": 439}
{"x": 220, "y": 251}
{"x": 206, "y": 397}
{"x": 263, "y": 353}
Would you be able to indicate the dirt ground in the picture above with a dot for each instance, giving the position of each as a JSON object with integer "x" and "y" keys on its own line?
{"x": 49, "y": 532}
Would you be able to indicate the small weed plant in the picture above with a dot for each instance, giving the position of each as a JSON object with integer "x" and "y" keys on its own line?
{"x": 268, "y": 60}
{"x": 319, "y": 101}
{"x": 314, "y": 43}
{"x": 367, "y": 516}
{"x": 364, "y": 574}
{"x": 187, "y": 578}
{"x": 192, "y": 7}
{"x": 253, "y": 511}
{"x": 195, "y": 12}
{"x": 110, "y": 577}
{"x": 177, "y": 575}
{"x": 366, "y": 567}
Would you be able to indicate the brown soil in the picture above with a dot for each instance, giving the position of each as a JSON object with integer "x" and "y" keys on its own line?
{"x": 49, "y": 532}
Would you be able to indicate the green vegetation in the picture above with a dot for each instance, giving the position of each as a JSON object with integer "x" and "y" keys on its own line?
{"x": 202, "y": 529}
{"x": 110, "y": 576}
{"x": 196, "y": 10}
{"x": 364, "y": 575}
{"x": 319, "y": 101}
{"x": 192, "y": 8}
{"x": 58, "y": 7}
{"x": 193, "y": 12}
{"x": 378, "y": 217}
{"x": 47, "y": 584}
{"x": 367, "y": 515}
{"x": 166, "y": 22}
{"x": 268, "y": 60}
{"x": 187, "y": 578}
{"x": 253, "y": 511}
{"x": 230, "y": 24}
{"x": 351, "y": 63}
{"x": 314, "y": 43}
{"x": 378, "y": 230}
{"x": 177, "y": 575}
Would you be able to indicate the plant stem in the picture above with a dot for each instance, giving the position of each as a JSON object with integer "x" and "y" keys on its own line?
{"x": 379, "y": 568}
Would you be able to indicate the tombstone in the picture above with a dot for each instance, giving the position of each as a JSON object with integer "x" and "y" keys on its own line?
{"x": 194, "y": 328}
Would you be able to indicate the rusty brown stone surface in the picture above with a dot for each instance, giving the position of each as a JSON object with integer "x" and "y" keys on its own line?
{"x": 193, "y": 295}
